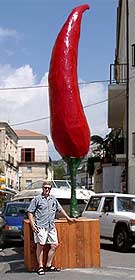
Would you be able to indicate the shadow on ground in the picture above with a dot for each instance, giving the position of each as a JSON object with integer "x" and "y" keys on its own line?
{"x": 110, "y": 247}
{"x": 13, "y": 258}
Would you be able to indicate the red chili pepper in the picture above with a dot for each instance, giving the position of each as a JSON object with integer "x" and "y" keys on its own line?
{"x": 69, "y": 127}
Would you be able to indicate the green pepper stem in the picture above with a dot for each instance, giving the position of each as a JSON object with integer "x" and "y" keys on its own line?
{"x": 73, "y": 164}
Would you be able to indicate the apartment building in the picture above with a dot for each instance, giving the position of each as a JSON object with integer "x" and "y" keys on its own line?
{"x": 121, "y": 90}
{"x": 8, "y": 155}
{"x": 33, "y": 158}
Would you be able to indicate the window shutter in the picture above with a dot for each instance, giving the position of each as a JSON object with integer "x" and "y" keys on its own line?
{"x": 32, "y": 154}
{"x": 22, "y": 154}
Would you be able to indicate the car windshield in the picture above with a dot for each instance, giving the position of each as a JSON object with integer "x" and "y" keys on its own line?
{"x": 16, "y": 210}
{"x": 55, "y": 184}
{"x": 93, "y": 203}
{"x": 126, "y": 204}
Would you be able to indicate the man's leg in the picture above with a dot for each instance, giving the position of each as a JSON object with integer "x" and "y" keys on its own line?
{"x": 51, "y": 254}
{"x": 39, "y": 254}
{"x": 53, "y": 241}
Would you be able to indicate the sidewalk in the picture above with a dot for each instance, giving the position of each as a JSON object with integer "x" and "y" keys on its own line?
{"x": 66, "y": 274}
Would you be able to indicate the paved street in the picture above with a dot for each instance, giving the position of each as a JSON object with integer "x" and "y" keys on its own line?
{"x": 113, "y": 266}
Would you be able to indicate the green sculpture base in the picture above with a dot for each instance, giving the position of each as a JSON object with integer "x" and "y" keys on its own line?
{"x": 73, "y": 164}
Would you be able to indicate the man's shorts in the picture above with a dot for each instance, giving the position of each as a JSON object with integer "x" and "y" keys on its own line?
{"x": 46, "y": 236}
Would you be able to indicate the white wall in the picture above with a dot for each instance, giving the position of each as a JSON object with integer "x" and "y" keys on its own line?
{"x": 112, "y": 178}
{"x": 40, "y": 146}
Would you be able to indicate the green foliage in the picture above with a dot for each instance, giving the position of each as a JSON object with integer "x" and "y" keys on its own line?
{"x": 90, "y": 164}
{"x": 109, "y": 146}
{"x": 59, "y": 173}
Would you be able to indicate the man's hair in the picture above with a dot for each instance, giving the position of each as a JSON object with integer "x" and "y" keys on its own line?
{"x": 46, "y": 183}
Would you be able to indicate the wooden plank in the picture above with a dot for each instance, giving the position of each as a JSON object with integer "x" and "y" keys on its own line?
{"x": 95, "y": 246}
{"x": 27, "y": 255}
{"x": 72, "y": 252}
{"x": 61, "y": 257}
{"x": 87, "y": 244}
{"x": 80, "y": 260}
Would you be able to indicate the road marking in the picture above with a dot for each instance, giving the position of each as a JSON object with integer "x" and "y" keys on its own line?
{"x": 16, "y": 261}
{"x": 121, "y": 267}
{"x": 118, "y": 272}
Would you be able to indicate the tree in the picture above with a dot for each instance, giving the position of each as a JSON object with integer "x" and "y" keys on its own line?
{"x": 90, "y": 164}
{"x": 59, "y": 173}
{"x": 105, "y": 149}
{"x": 108, "y": 146}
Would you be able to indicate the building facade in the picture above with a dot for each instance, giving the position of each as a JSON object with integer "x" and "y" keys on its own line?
{"x": 121, "y": 91}
{"x": 8, "y": 155}
{"x": 33, "y": 158}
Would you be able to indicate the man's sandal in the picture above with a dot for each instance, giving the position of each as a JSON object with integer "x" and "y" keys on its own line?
{"x": 52, "y": 269}
{"x": 40, "y": 271}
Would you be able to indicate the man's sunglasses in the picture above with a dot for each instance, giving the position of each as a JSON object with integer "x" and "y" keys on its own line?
{"x": 47, "y": 188}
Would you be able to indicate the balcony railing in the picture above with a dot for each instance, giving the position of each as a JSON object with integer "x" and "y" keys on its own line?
{"x": 118, "y": 73}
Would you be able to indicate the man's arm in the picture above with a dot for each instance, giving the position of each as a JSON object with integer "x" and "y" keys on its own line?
{"x": 32, "y": 221}
{"x": 67, "y": 216}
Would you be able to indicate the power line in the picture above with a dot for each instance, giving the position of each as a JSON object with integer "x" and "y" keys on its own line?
{"x": 44, "y": 118}
{"x": 35, "y": 120}
{"x": 46, "y": 86}
{"x": 96, "y": 103}
{"x": 86, "y": 106}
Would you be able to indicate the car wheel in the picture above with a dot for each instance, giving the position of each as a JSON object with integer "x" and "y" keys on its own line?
{"x": 121, "y": 239}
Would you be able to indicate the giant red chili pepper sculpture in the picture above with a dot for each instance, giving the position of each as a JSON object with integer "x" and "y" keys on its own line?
{"x": 69, "y": 128}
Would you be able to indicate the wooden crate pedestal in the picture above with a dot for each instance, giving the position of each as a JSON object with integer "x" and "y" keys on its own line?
{"x": 79, "y": 245}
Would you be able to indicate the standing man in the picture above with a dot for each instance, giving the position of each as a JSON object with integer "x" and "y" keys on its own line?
{"x": 41, "y": 214}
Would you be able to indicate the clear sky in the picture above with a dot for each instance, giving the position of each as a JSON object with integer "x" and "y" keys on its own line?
{"x": 28, "y": 29}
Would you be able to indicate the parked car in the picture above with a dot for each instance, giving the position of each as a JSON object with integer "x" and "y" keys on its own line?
{"x": 12, "y": 218}
{"x": 116, "y": 213}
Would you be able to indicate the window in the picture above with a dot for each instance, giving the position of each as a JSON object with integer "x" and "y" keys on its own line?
{"x": 108, "y": 204}
{"x": 16, "y": 210}
{"x": 29, "y": 169}
{"x": 8, "y": 182}
{"x": 9, "y": 157}
{"x": 133, "y": 55}
{"x": 28, "y": 183}
{"x": 93, "y": 204}
{"x": 126, "y": 204}
{"x": 12, "y": 183}
{"x": 28, "y": 154}
{"x": 12, "y": 160}
{"x": 11, "y": 211}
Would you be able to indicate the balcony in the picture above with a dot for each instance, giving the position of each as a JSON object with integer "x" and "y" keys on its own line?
{"x": 117, "y": 95}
